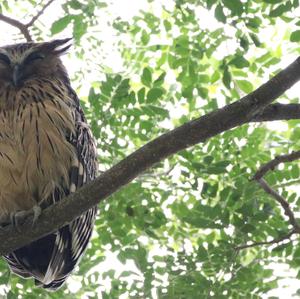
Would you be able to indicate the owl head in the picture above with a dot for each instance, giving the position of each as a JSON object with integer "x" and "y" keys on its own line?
{"x": 20, "y": 63}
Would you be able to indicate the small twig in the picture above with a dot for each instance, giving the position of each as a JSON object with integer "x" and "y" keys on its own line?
{"x": 285, "y": 205}
{"x": 274, "y": 241}
{"x": 275, "y": 162}
{"x": 31, "y": 22}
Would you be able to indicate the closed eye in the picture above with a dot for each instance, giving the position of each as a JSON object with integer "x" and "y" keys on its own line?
{"x": 4, "y": 58}
{"x": 33, "y": 57}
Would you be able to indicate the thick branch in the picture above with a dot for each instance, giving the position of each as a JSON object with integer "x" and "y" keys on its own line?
{"x": 15, "y": 23}
{"x": 279, "y": 112}
{"x": 189, "y": 134}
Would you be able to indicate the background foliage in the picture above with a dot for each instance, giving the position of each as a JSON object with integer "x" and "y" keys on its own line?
{"x": 172, "y": 232}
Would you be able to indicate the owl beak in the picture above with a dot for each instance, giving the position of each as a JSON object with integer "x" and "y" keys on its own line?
{"x": 16, "y": 75}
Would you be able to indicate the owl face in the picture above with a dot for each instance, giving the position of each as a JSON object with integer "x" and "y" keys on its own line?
{"x": 21, "y": 63}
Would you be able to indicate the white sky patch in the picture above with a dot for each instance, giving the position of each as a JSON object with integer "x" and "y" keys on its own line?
{"x": 278, "y": 126}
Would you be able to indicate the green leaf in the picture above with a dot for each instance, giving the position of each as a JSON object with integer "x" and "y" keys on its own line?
{"x": 202, "y": 253}
{"x": 295, "y": 3}
{"x": 208, "y": 159}
{"x": 255, "y": 39}
{"x": 264, "y": 57}
{"x": 236, "y": 6}
{"x": 79, "y": 28}
{"x": 245, "y": 86}
{"x": 215, "y": 77}
{"x": 219, "y": 14}
{"x": 215, "y": 169}
{"x": 61, "y": 24}
{"x": 244, "y": 42}
{"x": 101, "y": 4}
{"x": 278, "y": 11}
{"x": 280, "y": 247}
{"x": 201, "y": 222}
{"x": 239, "y": 62}
{"x": 226, "y": 78}
{"x": 141, "y": 95}
{"x": 247, "y": 228}
{"x": 145, "y": 37}
{"x": 167, "y": 25}
{"x": 159, "y": 111}
{"x": 188, "y": 92}
{"x": 210, "y": 3}
{"x": 295, "y": 36}
{"x": 254, "y": 22}
{"x": 75, "y": 4}
{"x": 154, "y": 94}
{"x": 147, "y": 77}
{"x": 160, "y": 80}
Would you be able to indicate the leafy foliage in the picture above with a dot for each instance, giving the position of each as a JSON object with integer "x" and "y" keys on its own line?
{"x": 172, "y": 232}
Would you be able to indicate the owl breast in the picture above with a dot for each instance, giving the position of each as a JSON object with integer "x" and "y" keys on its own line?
{"x": 35, "y": 153}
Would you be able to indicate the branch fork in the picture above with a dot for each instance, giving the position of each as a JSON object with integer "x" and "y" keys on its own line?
{"x": 24, "y": 28}
{"x": 270, "y": 166}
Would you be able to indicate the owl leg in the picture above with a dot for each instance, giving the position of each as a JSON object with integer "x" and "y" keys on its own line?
{"x": 19, "y": 218}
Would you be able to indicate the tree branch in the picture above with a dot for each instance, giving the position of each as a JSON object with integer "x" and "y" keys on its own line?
{"x": 278, "y": 112}
{"x": 285, "y": 205}
{"x": 274, "y": 241}
{"x": 24, "y": 28}
{"x": 191, "y": 133}
{"x": 281, "y": 200}
{"x": 15, "y": 23}
{"x": 275, "y": 162}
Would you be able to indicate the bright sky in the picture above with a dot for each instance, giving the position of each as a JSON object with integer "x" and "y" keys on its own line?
{"x": 120, "y": 8}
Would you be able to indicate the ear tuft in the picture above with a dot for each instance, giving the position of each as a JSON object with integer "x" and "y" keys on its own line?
{"x": 58, "y": 46}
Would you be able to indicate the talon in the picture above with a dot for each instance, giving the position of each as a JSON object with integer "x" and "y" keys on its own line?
{"x": 19, "y": 218}
{"x": 37, "y": 211}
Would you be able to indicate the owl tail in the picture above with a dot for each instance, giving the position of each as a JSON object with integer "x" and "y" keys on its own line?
{"x": 48, "y": 260}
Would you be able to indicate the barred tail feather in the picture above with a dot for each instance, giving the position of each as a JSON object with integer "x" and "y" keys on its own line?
{"x": 51, "y": 259}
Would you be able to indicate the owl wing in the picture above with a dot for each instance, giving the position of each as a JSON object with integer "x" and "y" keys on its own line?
{"x": 72, "y": 240}
{"x": 51, "y": 259}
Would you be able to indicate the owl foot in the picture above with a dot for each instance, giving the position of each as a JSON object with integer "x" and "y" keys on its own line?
{"x": 19, "y": 218}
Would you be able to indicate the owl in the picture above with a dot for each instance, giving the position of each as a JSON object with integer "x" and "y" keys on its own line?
{"x": 47, "y": 151}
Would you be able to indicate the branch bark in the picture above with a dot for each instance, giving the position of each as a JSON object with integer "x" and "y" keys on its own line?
{"x": 15, "y": 23}
{"x": 24, "y": 28}
{"x": 189, "y": 134}
{"x": 278, "y": 112}
{"x": 284, "y": 204}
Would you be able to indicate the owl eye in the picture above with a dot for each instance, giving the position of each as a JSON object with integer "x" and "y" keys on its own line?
{"x": 4, "y": 59}
{"x": 33, "y": 57}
